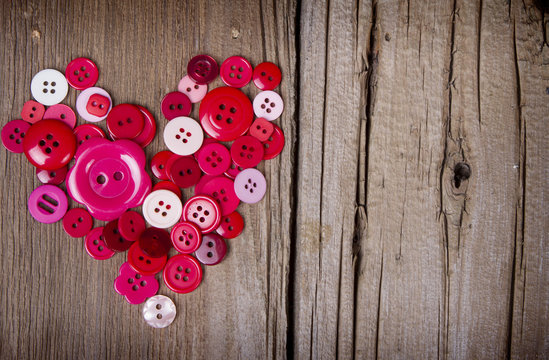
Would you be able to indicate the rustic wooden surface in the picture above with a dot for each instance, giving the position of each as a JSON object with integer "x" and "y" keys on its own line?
{"x": 407, "y": 217}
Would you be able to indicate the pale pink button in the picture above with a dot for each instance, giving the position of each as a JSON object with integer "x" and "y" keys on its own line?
{"x": 62, "y": 113}
{"x": 194, "y": 91}
{"x": 250, "y": 186}
{"x": 268, "y": 105}
{"x": 82, "y": 103}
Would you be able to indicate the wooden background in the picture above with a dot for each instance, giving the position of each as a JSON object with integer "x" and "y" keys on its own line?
{"x": 373, "y": 240}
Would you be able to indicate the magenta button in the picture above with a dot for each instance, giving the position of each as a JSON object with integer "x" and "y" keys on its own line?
{"x": 48, "y": 204}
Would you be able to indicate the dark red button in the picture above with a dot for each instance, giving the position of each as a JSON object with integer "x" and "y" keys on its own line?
{"x": 155, "y": 242}
{"x": 168, "y": 185}
{"x": 226, "y": 113}
{"x": 214, "y": 159}
{"x": 13, "y": 134}
{"x": 231, "y": 225}
{"x": 49, "y": 144}
{"x": 212, "y": 250}
{"x": 81, "y": 73}
{"x": 233, "y": 170}
{"x": 158, "y": 164}
{"x": 77, "y": 222}
{"x": 182, "y": 273}
{"x": 175, "y": 104}
{"x": 261, "y": 129}
{"x": 267, "y": 76}
{"x": 144, "y": 264}
{"x": 203, "y": 211}
{"x": 186, "y": 237}
{"x": 125, "y": 121}
{"x": 202, "y": 69}
{"x": 113, "y": 239}
{"x": 130, "y": 225}
{"x": 221, "y": 189}
{"x": 98, "y": 105}
{"x": 87, "y": 131}
{"x": 247, "y": 151}
{"x": 274, "y": 144}
{"x": 236, "y": 71}
{"x": 149, "y": 129}
{"x": 52, "y": 177}
{"x": 183, "y": 171}
{"x": 32, "y": 111}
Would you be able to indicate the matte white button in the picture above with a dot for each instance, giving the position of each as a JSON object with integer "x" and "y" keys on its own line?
{"x": 162, "y": 208}
{"x": 159, "y": 311}
{"x": 49, "y": 87}
{"x": 183, "y": 135}
{"x": 82, "y": 104}
{"x": 268, "y": 105}
{"x": 250, "y": 186}
{"x": 194, "y": 92}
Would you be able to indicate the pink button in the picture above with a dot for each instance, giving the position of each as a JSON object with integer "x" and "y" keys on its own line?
{"x": 261, "y": 129}
{"x": 81, "y": 73}
{"x": 95, "y": 245}
{"x": 221, "y": 189}
{"x": 175, "y": 104}
{"x": 203, "y": 180}
{"x": 168, "y": 185}
{"x": 205, "y": 142}
{"x": 77, "y": 222}
{"x": 268, "y": 105}
{"x": 52, "y": 177}
{"x": 194, "y": 91}
{"x": 247, "y": 151}
{"x": 236, "y": 71}
{"x": 48, "y": 204}
{"x": 250, "y": 186}
{"x": 135, "y": 287}
{"x": 62, "y": 113}
{"x": 12, "y": 135}
{"x": 233, "y": 170}
{"x": 32, "y": 111}
{"x": 213, "y": 249}
{"x": 203, "y": 211}
{"x": 214, "y": 159}
{"x": 100, "y": 109}
{"x": 87, "y": 131}
{"x": 149, "y": 128}
{"x": 186, "y": 237}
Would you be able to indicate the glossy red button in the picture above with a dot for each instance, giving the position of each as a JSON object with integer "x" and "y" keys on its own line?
{"x": 231, "y": 225}
{"x": 158, "y": 164}
{"x": 175, "y": 104}
{"x": 130, "y": 225}
{"x": 87, "y": 131}
{"x": 144, "y": 264}
{"x": 267, "y": 76}
{"x": 247, "y": 151}
{"x": 236, "y": 71}
{"x": 77, "y": 222}
{"x": 202, "y": 69}
{"x": 125, "y": 121}
{"x": 13, "y": 134}
{"x": 274, "y": 144}
{"x": 113, "y": 239}
{"x": 168, "y": 185}
{"x": 221, "y": 189}
{"x": 186, "y": 237}
{"x": 149, "y": 129}
{"x": 226, "y": 113}
{"x": 261, "y": 129}
{"x": 182, "y": 273}
{"x": 212, "y": 250}
{"x": 49, "y": 144}
{"x": 32, "y": 111}
{"x": 155, "y": 242}
{"x": 183, "y": 171}
{"x": 203, "y": 211}
{"x": 81, "y": 73}
{"x": 62, "y": 113}
{"x": 98, "y": 105}
{"x": 233, "y": 171}
{"x": 52, "y": 177}
{"x": 95, "y": 245}
{"x": 214, "y": 159}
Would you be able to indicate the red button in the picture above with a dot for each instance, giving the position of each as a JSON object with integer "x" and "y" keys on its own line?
{"x": 52, "y": 177}
{"x": 113, "y": 239}
{"x": 175, "y": 104}
{"x": 98, "y": 105}
{"x": 205, "y": 142}
{"x": 233, "y": 171}
{"x": 144, "y": 264}
{"x": 155, "y": 242}
{"x": 77, "y": 222}
{"x": 49, "y": 144}
{"x": 32, "y": 111}
{"x": 236, "y": 71}
{"x": 13, "y": 134}
{"x": 202, "y": 69}
{"x": 168, "y": 185}
{"x": 274, "y": 144}
{"x": 247, "y": 152}
{"x": 149, "y": 129}
{"x": 182, "y": 273}
{"x": 214, "y": 159}
{"x": 212, "y": 250}
{"x": 81, "y": 73}
{"x": 62, "y": 113}
{"x": 222, "y": 190}
{"x": 203, "y": 211}
{"x": 87, "y": 131}
{"x": 183, "y": 171}
{"x": 158, "y": 164}
{"x": 95, "y": 245}
{"x": 186, "y": 237}
{"x": 261, "y": 129}
{"x": 130, "y": 225}
{"x": 267, "y": 76}
{"x": 231, "y": 225}
{"x": 226, "y": 113}
{"x": 125, "y": 121}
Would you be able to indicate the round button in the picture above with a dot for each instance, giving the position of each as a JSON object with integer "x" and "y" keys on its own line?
{"x": 162, "y": 208}
{"x": 186, "y": 237}
{"x": 155, "y": 242}
{"x": 225, "y": 113}
{"x": 195, "y": 92}
{"x": 268, "y": 105}
{"x": 203, "y": 180}
{"x": 158, "y": 164}
{"x": 81, "y": 73}
{"x": 250, "y": 186}
{"x": 236, "y": 71}
{"x": 32, "y": 111}
{"x": 212, "y": 250}
{"x": 247, "y": 151}
{"x": 113, "y": 239}
{"x": 233, "y": 170}
{"x": 93, "y": 104}
{"x": 261, "y": 129}
{"x": 203, "y": 211}
{"x": 183, "y": 171}
{"x": 62, "y": 113}
{"x": 130, "y": 225}
{"x": 134, "y": 286}
{"x": 202, "y": 69}
{"x": 144, "y": 264}
{"x": 159, "y": 311}
{"x": 48, "y": 204}
{"x": 182, "y": 274}
{"x": 125, "y": 121}
{"x": 274, "y": 144}
{"x": 52, "y": 177}
{"x": 206, "y": 141}
{"x": 183, "y": 135}
{"x": 168, "y": 185}
{"x": 95, "y": 245}
{"x": 175, "y": 104}
{"x": 77, "y": 222}
{"x": 13, "y": 134}
{"x": 267, "y": 76}
{"x": 49, "y": 87}
{"x": 231, "y": 225}
{"x": 149, "y": 129}
{"x": 49, "y": 144}
{"x": 214, "y": 159}
{"x": 87, "y": 131}
{"x": 222, "y": 190}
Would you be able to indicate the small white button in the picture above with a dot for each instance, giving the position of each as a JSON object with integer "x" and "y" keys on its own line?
{"x": 49, "y": 87}
{"x": 183, "y": 135}
{"x": 268, "y": 105}
{"x": 159, "y": 311}
{"x": 162, "y": 208}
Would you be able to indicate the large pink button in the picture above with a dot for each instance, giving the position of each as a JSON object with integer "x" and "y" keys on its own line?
{"x": 193, "y": 90}
{"x": 12, "y": 135}
{"x": 62, "y": 113}
{"x": 48, "y": 204}
{"x": 95, "y": 245}
{"x": 203, "y": 211}
{"x": 214, "y": 159}
{"x": 135, "y": 287}
{"x": 221, "y": 189}
{"x": 81, "y": 73}
{"x": 236, "y": 71}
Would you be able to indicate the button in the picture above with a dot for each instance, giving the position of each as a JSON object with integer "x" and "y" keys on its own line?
{"x": 32, "y": 111}
{"x": 168, "y": 185}
{"x": 221, "y": 189}
{"x": 250, "y": 186}
{"x": 261, "y": 129}
{"x": 231, "y": 225}
{"x": 12, "y": 135}
{"x": 155, "y": 242}
{"x": 203, "y": 211}
{"x": 203, "y": 180}
{"x": 49, "y": 87}
{"x": 247, "y": 151}
{"x": 186, "y": 237}
{"x": 159, "y": 311}
{"x": 212, "y": 250}
{"x": 162, "y": 209}
{"x": 158, "y": 164}
{"x": 47, "y": 204}
{"x": 100, "y": 104}
{"x": 202, "y": 69}
{"x": 183, "y": 171}
{"x": 49, "y": 144}
{"x": 267, "y": 76}
{"x": 236, "y": 71}
{"x": 214, "y": 159}
{"x": 144, "y": 264}
{"x": 175, "y": 104}
{"x": 81, "y": 73}
{"x": 95, "y": 245}
{"x": 233, "y": 170}
{"x": 183, "y": 135}
{"x": 225, "y": 113}
{"x": 62, "y": 113}
{"x": 274, "y": 144}
{"x": 182, "y": 274}
{"x": 149, "y": 129}
{"x": 205, "y": 142}
{"x": 113, "y": 239}
{"x": 87, "y": 131}
{"x": 268, "y": 105}
{"x": 194, "y": 91}
{"x": 52, "y": 177}
{"x": 131, "y": 224}
{"x": 77, "y": 222}
{"x": 134, "y": 286}
{"x": 125, "y": 121}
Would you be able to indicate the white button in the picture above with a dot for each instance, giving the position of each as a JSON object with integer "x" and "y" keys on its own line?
{"x": 159, "y": 311}
{"x": 82, "y": 104}
{"x": 183, "y": 135}
{"x": 162, "y": 208}
{"x": 49, "y": 87}
{"x": 250, "y": 185}
{"x": 268, "y": 105}
{"x": 194, "y": 92}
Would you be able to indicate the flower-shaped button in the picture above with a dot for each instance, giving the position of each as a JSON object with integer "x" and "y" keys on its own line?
{"x": 13, "y": 134}
{"x": 109, "y": 177}
{"x": 49, "y": 144}
{"x": 49, "y": 87}
{"x": 81, "y": 73}
{"x": 162, "y": 209}
{"x": 247, "y": 151}
{"x": 203, "y": 69}
{"x": 194, "y": 91}
{"x": 236, "y": 71}
{"x": 183, "y": 135}
{"x": 250, "y": 186}
{"x": 261, "y": 129}
{"x": 95, "y": 245}
{"x": 267, "y": 76}
{"x": 93, "y": 104}
{"x": 32, "y": 111}
{"x": 182, "y": 273}
{"x": 134, "y": 286}
{"x": 62, "y": 113}
{"x": 175, "y": 104}
{"x": 268, "y": 105}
